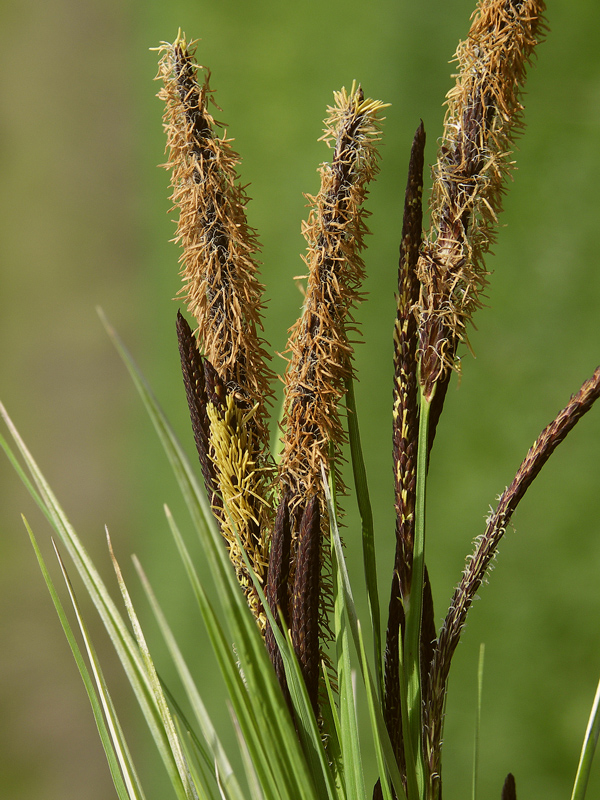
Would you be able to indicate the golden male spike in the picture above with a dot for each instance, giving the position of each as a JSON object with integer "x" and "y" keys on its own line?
{"x": 484, "y": 115}
{"x": 320, "y": 348}
{"x": 242, "y": 486}
{"x": 319, "y": 344}
{"x": 219, "y": 268}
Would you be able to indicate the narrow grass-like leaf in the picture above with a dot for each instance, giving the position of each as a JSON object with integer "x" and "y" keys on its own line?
{"x": 414, "y": 605}
{"x": 478, "y": 719}
{"x": 254, "y": 784}
{"x": 203, "y": 774}
{"x": 587, "y": 751}
{"x": 128, "y": 770}
{"x": 183, "y": 725}
{"x": 180, "y": 762}
{"x": 308, "y": 730}
{"x": 349, "y": 739}
{"x": 114, "y": 623}
{"x": 226, "y": 777}
{"x": 412, "y": 786}
{"x": 331, "y": 720}
{"x": 372, "y": 704}
{"x": 368, "y": 537}
{"x": 119, "y": 760}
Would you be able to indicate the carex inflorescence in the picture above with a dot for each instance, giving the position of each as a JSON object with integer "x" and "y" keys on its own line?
{"x": 277, "y": 514}
{"x": 276, "y": 510}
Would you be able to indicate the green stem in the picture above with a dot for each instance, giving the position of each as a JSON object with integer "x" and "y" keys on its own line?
{"x": 414, "y": 604}
{"x": 412, "y": 782}
{"x": 588, "y": 749}
{"x": 478, "y": 720}
{"x": 368, "y": 538}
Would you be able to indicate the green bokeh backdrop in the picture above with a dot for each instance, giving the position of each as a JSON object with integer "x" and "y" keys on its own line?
{"x": 84, "y": 222}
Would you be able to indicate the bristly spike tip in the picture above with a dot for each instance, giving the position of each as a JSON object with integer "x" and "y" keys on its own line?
{"x": 219, "y": 267}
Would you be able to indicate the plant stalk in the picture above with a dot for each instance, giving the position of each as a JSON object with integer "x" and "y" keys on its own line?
{"x": 588, "y": 750}
{"x": 414, "y": 606}
{"x": 368, "y": 539}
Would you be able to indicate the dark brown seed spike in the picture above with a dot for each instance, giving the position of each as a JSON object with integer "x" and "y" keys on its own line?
{"x": 392, "y": 711}
{"x": 193, "y": 368}
{"x": 305, "y": 599}
{"x": 428, "y": 634}
{"x": 277, "y": 584}
{"x": 405, "y": 414}
{"x": 405, "y": 436}
{"x": 413, "y": 211}
{"x": 509, "y": 790}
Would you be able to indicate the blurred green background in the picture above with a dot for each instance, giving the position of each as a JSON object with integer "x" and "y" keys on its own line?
{"x": 84, "y": 223}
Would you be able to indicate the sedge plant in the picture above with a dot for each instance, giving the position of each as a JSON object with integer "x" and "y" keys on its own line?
{"x": 281, "y": 618}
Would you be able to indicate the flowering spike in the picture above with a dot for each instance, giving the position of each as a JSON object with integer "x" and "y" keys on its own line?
{"x": 319, "y": 343}
{"x": 305, "y": 599}
{"x": 404, "y": 438}
{"x": 485, "y": 550}
{"x": 195, "y": 369}
{"x": 219, "y": 269}
{"x": 228, "y": 401}
{"x": 235, "y": 484}
{"x": 405, "y": 404}
{"x": 483, "y": 117}
{"x": 277, "y": 592}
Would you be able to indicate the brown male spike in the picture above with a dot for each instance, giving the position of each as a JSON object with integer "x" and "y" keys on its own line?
{"x": 319, "y": 344}
{"x": 484, "y": 115}
{"x": 219, "y": 269}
